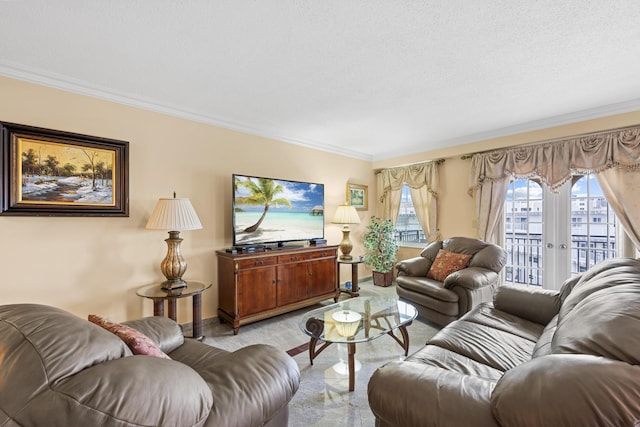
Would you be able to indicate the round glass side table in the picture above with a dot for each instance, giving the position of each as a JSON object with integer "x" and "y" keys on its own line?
{"x": 159, "y": 296}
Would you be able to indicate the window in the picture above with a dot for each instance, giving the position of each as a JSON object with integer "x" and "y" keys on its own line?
{"x": 408, "y": 229}
{"x": 550, "y": 236}
{"x": 595, "y": 228}
{"x": 523, "y": 232}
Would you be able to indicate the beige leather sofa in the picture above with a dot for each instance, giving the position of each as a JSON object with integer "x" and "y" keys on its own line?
{"x": 59, "y": 370}
{"x": 532, "y": 358}
{"x": 442, "y": 302}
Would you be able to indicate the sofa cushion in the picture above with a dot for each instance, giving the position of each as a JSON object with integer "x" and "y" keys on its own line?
{"x": 446, "y": 263}
{"x": 138, "y": 342}
{"x": 60, "y": 348}
{"x": 543, "y": 345}
{"x": 495, "y": 348}
{"x": 428, "y": 287}
{"x": 604, "y": 275}
{"x": 605, "y": 323}
{"x": 446, "y": 359}
{"x": 568, "y": 390}
{"x": 486, "y": 314}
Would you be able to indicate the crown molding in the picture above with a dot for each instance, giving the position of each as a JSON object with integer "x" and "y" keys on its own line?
{"x": 66, "y": 84}
{"x": 83, "y": 88}
{"x": 549, "y": 122}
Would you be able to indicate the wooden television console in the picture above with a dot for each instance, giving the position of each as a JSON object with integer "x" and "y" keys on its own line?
{"x": 259, "y": 285}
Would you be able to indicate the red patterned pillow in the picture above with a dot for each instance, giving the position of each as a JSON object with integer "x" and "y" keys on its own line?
{"x": 138, "y": 342}
{"x": 446, "y": 263}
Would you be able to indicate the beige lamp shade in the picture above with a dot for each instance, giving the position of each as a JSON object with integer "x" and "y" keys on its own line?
{"x": 346, "y": 215}
{"x": 174, "y": 214}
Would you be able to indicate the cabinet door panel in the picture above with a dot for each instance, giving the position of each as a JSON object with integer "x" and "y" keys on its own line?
{"x": 292, "y": 283}
{"x": 256, "y": 290}
{"x": 323, "y": 276}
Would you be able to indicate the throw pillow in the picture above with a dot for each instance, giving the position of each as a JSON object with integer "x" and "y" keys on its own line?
{"x": 138, "y": 342}
{"x": 446, "y": 263}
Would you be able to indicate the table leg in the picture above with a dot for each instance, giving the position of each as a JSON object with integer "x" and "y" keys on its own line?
{"x": 171, "y": 302}
{"x": 312, "y": 348}
{"x": 354, "y": 280}
{"x": 404, "y": 343}
{"x": 158, "y": 307}
{"x": 337, "y": 297}
{"x": 197, "y": 317}
{"x": 352, "y": 364}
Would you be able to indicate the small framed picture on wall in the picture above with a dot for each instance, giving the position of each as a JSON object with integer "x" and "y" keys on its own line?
{"x": 358, "y": 196}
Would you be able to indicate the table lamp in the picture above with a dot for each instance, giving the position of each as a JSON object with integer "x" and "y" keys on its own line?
{"x": 346, "y": 215}
{"x": 174, "y": 215}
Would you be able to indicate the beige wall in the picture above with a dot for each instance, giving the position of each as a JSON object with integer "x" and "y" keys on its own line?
{"x": 94, "y": 265}
{"x": 456, "y": 213}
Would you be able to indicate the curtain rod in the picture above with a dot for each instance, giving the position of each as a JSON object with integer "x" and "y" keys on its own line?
{"x": 549, "y": 141}
{"x": 437, "y": 162}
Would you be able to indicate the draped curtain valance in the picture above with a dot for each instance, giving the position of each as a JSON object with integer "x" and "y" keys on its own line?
{"x": 555, "y": 162}
{"x": 614, "y": 156}
{"x": 422, "y": 179}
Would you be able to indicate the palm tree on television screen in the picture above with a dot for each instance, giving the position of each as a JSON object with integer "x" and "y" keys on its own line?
{"x": 263, "y": 193}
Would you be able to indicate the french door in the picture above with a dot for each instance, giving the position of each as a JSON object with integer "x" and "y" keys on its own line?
{"x": 550, "y": 236}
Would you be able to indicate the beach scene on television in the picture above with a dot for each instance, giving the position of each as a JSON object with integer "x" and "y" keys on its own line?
{"x": 270, "y": 210}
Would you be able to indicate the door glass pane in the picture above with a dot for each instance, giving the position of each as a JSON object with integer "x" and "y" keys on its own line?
{"x": 593, "y": 225}
{"x": 523, "y": 221}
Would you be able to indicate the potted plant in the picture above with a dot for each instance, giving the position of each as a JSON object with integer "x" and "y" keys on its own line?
{"x": 380, "y": 243}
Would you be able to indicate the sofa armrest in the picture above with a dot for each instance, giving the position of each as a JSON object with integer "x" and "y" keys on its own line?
{"x": 162, "y": 330}
{"x": 534, "y": 304}
{"x": 568, "y": 390}
{"x": 135, "y": 390}
{"x": 471, "y": 278}
{"x": 412, "y": 394}
{"x": 416, "y": 267}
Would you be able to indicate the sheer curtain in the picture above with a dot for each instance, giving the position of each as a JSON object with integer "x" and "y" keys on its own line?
{"x": 422, "y": 179}
{"x": 613, "y": 155}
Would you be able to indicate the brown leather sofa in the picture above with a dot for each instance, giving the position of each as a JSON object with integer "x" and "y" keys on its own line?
{"x": 442, "y": 302}
{"x": 59, "y": 370}
{"x": 532, "y": 358}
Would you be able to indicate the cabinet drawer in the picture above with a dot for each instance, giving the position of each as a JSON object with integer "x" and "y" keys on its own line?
{"x": 256, "y": 262}
{"x": 323, "y": 254}
{"x": 282, "y": 259}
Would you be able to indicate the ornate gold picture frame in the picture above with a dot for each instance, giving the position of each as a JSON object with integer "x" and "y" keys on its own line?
{"x": 357, "y": 196}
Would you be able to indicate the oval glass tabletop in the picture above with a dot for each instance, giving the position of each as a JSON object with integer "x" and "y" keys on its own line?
{"x": 357, "y": 319}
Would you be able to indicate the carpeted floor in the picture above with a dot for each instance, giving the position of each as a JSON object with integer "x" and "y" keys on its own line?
{"x": 323, "y": 398}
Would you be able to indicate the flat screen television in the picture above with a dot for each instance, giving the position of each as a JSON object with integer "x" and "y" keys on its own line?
{"x": 270, "y": 211}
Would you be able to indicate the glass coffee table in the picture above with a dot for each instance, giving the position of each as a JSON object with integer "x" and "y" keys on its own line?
{"x": 357, "y": 320}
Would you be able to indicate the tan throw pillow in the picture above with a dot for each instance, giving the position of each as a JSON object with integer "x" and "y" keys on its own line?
{"x": 138, "y": 342}
{"x": 446, "y": 263}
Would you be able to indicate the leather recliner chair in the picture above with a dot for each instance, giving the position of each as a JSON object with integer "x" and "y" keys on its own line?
{"x": 57, "y": 369}
{"x": 442, "y": 302}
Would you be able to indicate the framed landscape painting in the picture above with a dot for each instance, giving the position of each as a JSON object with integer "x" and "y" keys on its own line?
{"x": 357, "y": 196}
{"x": 53, "y": 173}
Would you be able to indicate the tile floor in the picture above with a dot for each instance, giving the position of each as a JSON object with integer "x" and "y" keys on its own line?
{"x": 323, "y": 398}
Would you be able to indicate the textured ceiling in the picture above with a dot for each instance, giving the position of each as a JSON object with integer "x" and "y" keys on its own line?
{"x": 369, "y": 79}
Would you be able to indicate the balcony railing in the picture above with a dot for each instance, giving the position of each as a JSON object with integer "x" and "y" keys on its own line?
{"x": 410, "y": 236}
{"x": 524, "y": 256}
